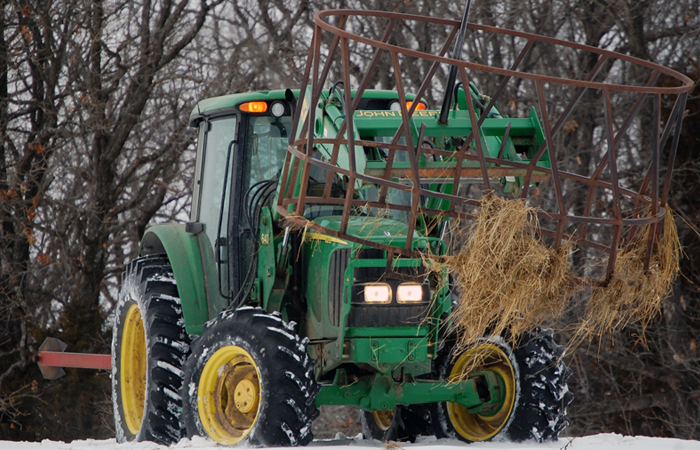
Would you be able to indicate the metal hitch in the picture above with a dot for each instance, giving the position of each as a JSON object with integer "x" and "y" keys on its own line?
{"x": 52, "y": 359}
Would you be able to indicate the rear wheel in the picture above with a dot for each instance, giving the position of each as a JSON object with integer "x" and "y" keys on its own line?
{"x": 149, "y": 347}
{"x": 536, "y": 394}
{"x": 404, "y": 423}
{"x": 250, "y": 379}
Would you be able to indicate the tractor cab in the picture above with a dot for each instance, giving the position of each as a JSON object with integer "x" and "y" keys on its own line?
{"x": 242, "y": 143}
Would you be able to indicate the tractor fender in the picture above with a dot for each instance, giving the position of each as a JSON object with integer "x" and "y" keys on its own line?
{"x": 185, "y": 258}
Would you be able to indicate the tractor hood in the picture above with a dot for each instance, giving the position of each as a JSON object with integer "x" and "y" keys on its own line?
{"x": 376, "y": 229}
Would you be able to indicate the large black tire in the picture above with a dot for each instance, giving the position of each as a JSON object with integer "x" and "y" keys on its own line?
{"x": 537, "y": 408}
{"x": 404, "y": 423}
{"x": 250, "y": 379}
{"x": 149, "y": 347}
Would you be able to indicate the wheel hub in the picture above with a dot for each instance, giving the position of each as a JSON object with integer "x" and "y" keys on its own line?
{"x": 484, "y": 357}
{"x": 246, "y": 395}
{"x": 229, "y": 395}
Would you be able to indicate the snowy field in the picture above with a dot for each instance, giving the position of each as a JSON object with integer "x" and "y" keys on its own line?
{"x": 597, "y": 442}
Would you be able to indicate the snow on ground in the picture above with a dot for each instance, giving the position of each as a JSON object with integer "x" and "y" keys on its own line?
{"x": 596, "y": 442}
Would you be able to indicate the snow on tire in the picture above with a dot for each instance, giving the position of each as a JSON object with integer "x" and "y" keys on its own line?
{"x": 149, "y": 347}
{"x": 250, "y": 379}
{"x": 544, "y": 394}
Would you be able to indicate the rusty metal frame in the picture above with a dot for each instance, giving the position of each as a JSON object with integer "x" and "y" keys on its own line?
{"x": 294, "y": 196}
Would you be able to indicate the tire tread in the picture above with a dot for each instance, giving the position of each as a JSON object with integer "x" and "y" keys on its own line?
{"x": 282, "y": 355}
{"x": 151, "y": 278}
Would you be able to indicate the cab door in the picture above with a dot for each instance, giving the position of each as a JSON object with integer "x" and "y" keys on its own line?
{"x": 256, "y": 171}
{"x": 218, "y": 140}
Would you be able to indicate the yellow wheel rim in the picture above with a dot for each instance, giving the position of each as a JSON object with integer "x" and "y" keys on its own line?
{"x": 229, "y": 395}
{"x": 383, "y": 419}
{"x": 133, "y": 363}
{"x": 475, "y": 427}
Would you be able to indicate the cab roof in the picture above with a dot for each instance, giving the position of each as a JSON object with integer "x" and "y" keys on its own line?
{"x": 227, "y": 104}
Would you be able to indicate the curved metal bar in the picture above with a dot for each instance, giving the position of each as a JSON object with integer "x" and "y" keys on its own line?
{"x": 686, "y": 83}
{"x": 468, "y": 158}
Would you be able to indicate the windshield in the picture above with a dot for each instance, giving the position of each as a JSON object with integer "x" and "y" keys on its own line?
{"x": 266, "y": 146}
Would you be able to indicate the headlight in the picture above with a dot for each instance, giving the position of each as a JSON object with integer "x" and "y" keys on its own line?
{"x": 409, "y": 292}
{"x": 377, "y": 293}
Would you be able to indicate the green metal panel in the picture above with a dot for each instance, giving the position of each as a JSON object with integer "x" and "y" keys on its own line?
{"x": 183, "y": 252}
{"x": 539, "y": 136}
{"x": 386, "y": 231}
{"x": 316, "y": 263}
{"x": 328, "y": 121}
{"x": 388, "y": 350}
{"x": 216, "y": 302}
{"x": 385, "y": 123}
{"x": 416, "y": 332}
{"x": 267, "y": 266}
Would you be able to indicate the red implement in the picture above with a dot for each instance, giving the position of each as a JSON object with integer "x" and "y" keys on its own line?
{"x": 52, "y": 359}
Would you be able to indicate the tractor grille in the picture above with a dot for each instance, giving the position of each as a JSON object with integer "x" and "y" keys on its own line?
{"x": 393, "y": 314}
{"x": 362, "y": 315}
{"x": 339, "y": 262}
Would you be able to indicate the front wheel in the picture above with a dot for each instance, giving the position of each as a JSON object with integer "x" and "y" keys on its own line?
{"x": 250, "y": 379}
{"x": 535, "y": 398}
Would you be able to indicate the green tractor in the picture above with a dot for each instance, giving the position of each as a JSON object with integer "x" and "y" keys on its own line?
{"x": 313, "y": 272}
{"x": 304, "y": 277}
{"x": 237, "y": 327}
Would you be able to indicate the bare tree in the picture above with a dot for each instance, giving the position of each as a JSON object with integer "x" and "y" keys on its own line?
{"x": 92, "y": 130}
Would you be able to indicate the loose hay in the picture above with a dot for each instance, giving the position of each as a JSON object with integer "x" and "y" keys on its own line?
{"x": 509, "y": 280}
{"x": 633, "y": 294}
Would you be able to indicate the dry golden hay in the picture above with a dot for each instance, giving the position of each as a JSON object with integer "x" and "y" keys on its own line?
{"x": 509, "y": 280}
{"x": 291, "y": 221}
{"x": 633, "y": 294}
